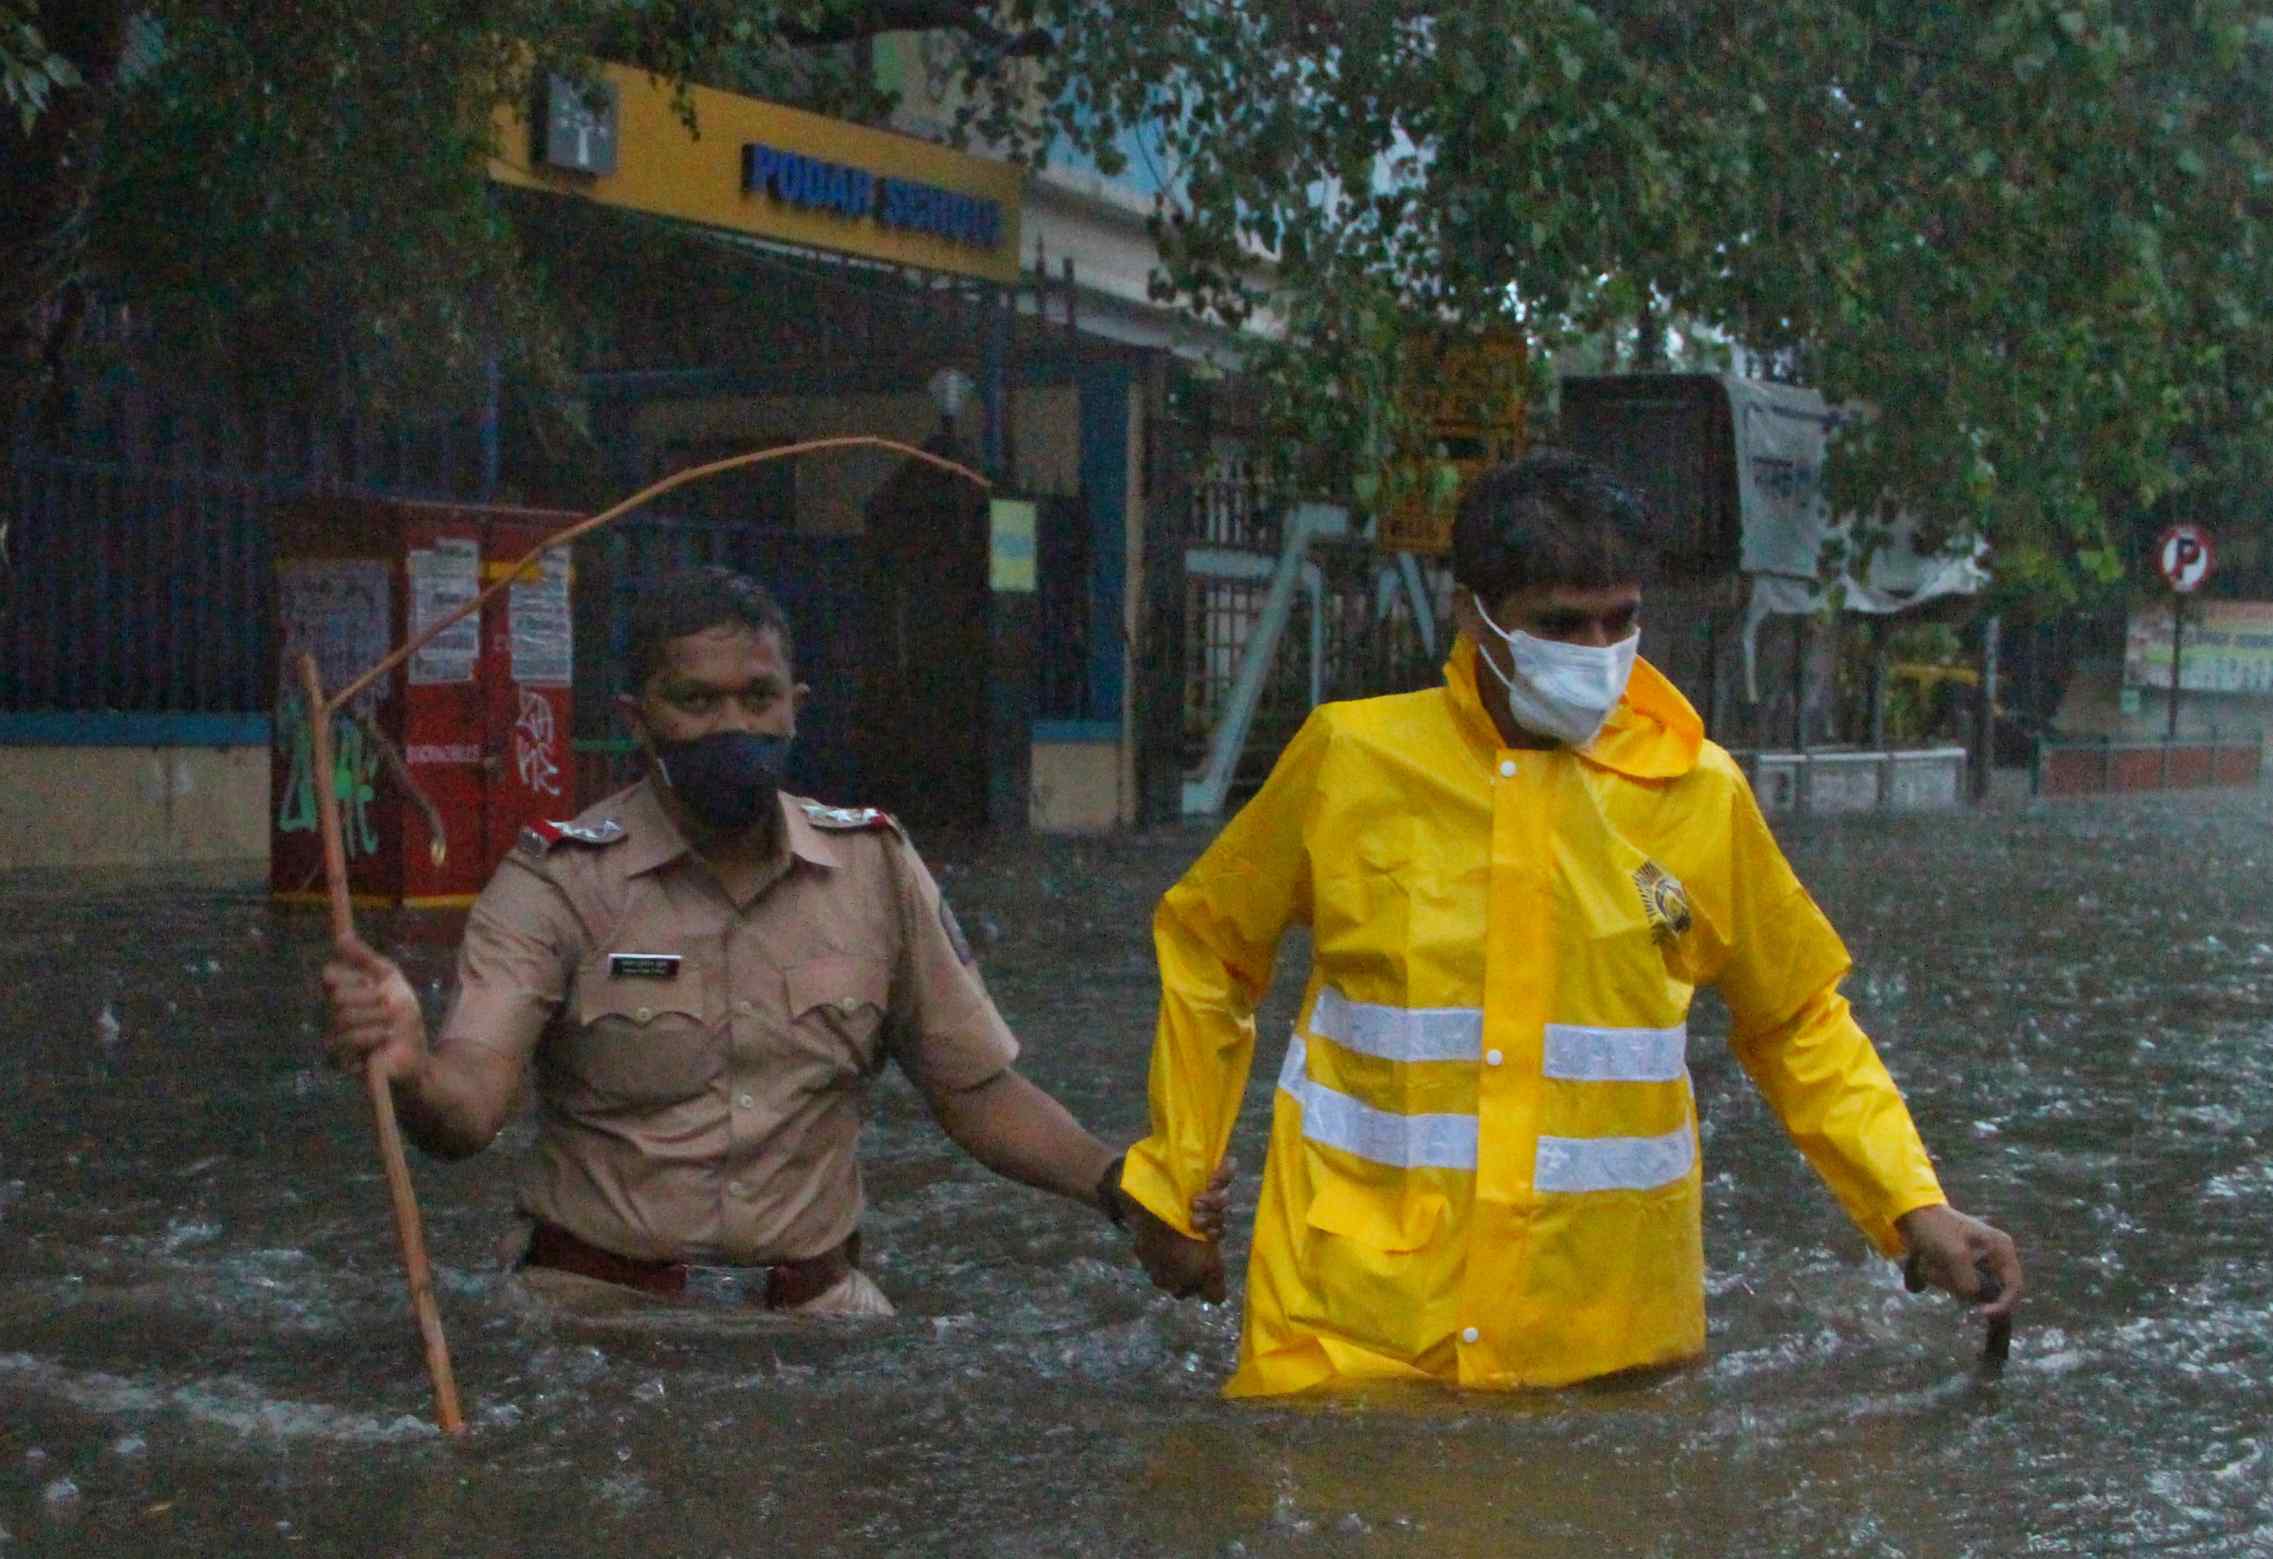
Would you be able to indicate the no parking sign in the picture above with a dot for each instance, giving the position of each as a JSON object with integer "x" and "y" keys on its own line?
{"x": 2185, "y": 557}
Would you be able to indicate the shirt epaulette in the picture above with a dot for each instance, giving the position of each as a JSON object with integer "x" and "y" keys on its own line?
{"x": 849, "y": 818}
{"x": 540, "y": 835}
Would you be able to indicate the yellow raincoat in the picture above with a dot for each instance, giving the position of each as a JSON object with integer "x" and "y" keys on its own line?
{"x": 1483, "y": 1165}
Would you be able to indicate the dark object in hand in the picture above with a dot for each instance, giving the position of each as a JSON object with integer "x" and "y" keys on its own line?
{"x": 1999, "y": 1342}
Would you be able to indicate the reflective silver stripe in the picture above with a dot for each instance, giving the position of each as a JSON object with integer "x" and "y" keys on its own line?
{"x": 1397, "y": 1033}
{"x": 1598, "y": 1055}
{"x": 1336, "y": 1120}
{"x": 1612, "y": 1163}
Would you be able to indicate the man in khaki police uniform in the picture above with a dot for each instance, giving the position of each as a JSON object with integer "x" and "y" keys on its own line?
{"x": 707, "y": 974}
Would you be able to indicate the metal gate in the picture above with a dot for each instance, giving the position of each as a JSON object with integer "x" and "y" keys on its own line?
{"x": 1287, "y": 607}
{"x": 133, "y": 589}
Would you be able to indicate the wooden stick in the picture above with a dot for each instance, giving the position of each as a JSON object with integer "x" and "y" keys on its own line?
{"x": 409, "y": 1230}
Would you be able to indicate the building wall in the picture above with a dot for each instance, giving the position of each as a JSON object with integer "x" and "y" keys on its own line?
{"x": 139, "y": 806}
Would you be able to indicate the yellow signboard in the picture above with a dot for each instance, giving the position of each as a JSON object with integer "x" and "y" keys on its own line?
{"x": 771, "y": 172}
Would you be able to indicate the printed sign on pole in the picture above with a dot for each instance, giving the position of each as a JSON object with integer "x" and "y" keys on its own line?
{"x": 2185, "y": 556}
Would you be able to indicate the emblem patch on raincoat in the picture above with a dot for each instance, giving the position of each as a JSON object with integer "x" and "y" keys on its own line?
{"x": 1664, "y": 900}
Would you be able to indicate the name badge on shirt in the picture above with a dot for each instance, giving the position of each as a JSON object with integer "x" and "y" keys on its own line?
{"x": 643, "y": 966}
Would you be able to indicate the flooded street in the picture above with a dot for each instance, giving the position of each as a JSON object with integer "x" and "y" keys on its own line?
{"x": 205, "y": 1345}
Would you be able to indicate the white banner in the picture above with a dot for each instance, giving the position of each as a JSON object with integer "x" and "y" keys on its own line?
{"x": 2227, "y": 647}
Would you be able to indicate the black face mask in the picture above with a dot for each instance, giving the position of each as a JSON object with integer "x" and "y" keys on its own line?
{"x": 728, "y": 778}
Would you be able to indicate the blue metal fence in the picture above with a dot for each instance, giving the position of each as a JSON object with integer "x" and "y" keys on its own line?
{"x": 128, "y": 589}
{"x": 137, "y": 603}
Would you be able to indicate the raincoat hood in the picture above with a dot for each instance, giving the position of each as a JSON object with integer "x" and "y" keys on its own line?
{"x": 1654, "y": 733}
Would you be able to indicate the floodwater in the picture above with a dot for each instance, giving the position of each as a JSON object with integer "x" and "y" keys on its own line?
{"x": 205, "y": 1347}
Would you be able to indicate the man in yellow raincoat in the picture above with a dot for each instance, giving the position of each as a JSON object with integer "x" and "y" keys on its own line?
{"x": 1484, "y": 1164}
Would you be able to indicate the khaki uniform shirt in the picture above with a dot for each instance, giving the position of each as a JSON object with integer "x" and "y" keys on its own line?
{"x": 700, "y": 1065}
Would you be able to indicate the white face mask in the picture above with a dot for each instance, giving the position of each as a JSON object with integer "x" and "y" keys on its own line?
{"x": 1560, "y": 690}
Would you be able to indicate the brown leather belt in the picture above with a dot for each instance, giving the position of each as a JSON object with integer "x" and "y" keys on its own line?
{"x": 788, "y": 1284}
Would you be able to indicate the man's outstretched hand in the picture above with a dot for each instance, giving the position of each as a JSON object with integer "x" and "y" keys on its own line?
{"x": 1953, "y": 1251}
{"x": 1177, "y": 1263}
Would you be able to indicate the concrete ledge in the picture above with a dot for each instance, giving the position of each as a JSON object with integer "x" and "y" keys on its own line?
{"x": 125, "y": 729}
{"x": 132, "y": 806}
{"x": 2114, "y": 767}
{"x": 1833, "y": 781}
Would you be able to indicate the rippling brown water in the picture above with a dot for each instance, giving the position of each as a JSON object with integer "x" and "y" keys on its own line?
{"x": 204, "y": 1345}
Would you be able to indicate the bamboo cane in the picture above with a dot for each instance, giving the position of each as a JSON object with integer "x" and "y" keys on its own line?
{"x": 409, "y": 1229}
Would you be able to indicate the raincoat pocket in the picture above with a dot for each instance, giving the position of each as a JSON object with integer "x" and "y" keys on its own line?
{"x": 1375, "y": 1267}
{"x": 1391, "y": 1222}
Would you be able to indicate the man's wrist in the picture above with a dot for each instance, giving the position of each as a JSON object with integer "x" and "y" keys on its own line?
{"x": 1112, "y": 1201}
{"x": 1905, "y": 1222}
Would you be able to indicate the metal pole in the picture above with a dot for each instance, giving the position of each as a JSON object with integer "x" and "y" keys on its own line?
{"x": 492, "y": 412}
{"x": 994, "y": 385}
{"x": 2177, "y": 644}
{"x": 1879, "y": 655}
{"x": 1985, "y": 712}
{"x": 1799, "y": 683}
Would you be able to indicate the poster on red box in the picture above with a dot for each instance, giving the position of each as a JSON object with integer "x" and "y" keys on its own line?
{"x": 443, "y": 578}
{"x": 341, "y": 610}
{"x": 543, "y": 637}
{"x": 2228, "y": 647}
